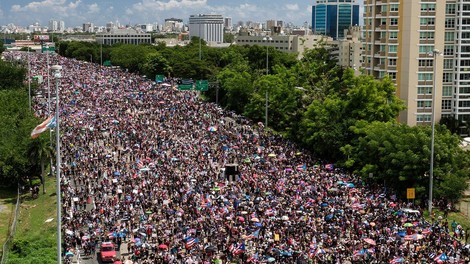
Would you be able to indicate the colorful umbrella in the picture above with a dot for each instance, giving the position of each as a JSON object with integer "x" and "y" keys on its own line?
{"x": 163, "y": 246}
{"x": 212, "y": 128}
{"x": 369, "y": 241}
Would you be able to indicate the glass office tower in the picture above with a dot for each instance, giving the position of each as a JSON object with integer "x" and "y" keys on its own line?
{"x": 332, "y": 17}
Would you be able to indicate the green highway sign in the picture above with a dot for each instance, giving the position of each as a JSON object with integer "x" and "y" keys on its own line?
{"x": 202, "y": 85}
{"x": 46, "y": 49}
{"x": 159, "y": 78}
{"x": 185, "y": 87}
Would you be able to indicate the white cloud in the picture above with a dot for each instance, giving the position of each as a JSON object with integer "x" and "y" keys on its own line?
{"x": 33, "y": 6}
{"x": 93, "y": 8}
{"x": 292, "y": 7}
{"x": 152, "y": 5}
{"x": 60, "y": 7}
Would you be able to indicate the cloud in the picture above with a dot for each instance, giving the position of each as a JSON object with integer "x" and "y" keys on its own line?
{"x": 1, "y": 12}
{"x": 292, "y": 7}
{"x": 33, "y": 6}
{"x": 59, "y": 7}
{"x": 152, "y": 5}
{"x": 93, "y": 8}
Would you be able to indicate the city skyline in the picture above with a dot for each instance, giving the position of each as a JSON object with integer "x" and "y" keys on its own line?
{"x": 76, "y": 12}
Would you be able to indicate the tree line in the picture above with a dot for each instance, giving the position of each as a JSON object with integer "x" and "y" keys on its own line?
{"x": 342, "y": 118}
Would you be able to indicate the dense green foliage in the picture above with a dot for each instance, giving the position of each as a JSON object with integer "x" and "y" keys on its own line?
{"x": 399, "y": 155}
{"x": 16, "y": 161}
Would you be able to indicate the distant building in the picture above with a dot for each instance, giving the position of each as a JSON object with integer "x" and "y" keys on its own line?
{"x": 146, "y": 28}
{"x": 173, "y": 25}
{"x": 332, "y": 17}
{"x": 285, "y": 43}
{"x": 88, "y": 27}
{"x": 56, "y": 25}
{"x": 208, "y": 27}
{"x": 350, "y": 49}
{"x": 125, "y": 36}
{"x": 228, "y": 23}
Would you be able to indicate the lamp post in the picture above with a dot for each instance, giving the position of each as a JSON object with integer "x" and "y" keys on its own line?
{"x": 57, "y": 75}
{"x": 435, "y": 53}
{"x": 267, "y": 72}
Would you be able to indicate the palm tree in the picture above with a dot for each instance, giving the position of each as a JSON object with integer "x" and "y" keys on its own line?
{"x": 40, "y": 151}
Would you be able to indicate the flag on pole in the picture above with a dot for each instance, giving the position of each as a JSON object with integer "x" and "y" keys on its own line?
{"x": 47, "y": 124}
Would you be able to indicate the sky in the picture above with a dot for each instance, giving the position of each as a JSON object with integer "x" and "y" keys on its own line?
{"x": 76, "y": 12}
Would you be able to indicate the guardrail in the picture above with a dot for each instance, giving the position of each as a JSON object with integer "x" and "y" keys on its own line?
{"x": 12, "y": 230}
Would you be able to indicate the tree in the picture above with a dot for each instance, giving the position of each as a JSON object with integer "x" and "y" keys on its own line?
{"x": 2, "y": 48}
{"x": 155, "y": 64}
{"x": 130, "y": 56}
{"x": 399, "y": 155}
{"x": 11, "y": 77}
{"x": 344, "y": 101}
{"x": 238, "y": 88}
{"x": 40, "y": 150}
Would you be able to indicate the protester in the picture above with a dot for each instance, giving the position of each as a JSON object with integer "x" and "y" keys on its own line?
{"x": 142, "y": 167}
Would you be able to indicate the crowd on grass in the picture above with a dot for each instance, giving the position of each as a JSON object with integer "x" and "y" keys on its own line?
{"x": 143, "y": 166}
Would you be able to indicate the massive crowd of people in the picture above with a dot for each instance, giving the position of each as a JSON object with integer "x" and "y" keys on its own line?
{"x": 143, "y": 166}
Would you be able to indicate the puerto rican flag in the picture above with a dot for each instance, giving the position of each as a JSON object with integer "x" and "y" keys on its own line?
{"x": 441, "y": 258}
{"x": 47, "y": 124}
{"x": 190, "y": 242}
{"x": 397, "y": 260}
{"x": 329, "y": 167}
{"x": 237, "y": 249}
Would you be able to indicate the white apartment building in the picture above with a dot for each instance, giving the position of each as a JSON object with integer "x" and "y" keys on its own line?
{"x": 286, "y": 43}
{"x": 210, "y": 28}
{"x": 124, "y": 36}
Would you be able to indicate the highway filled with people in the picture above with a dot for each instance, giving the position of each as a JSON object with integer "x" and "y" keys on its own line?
{"x": 148, "y": 168}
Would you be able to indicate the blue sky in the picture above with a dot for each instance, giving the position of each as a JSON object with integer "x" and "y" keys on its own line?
{"x": 76, "y": 12}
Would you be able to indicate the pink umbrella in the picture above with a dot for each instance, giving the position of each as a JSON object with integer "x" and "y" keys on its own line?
{"x": 369, "y": 241}
{"x": 241, "y": 219}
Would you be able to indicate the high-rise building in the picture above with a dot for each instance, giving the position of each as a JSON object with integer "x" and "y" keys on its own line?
{"x": 173, "y": 25}
{"x": 53, "y": 25}
{"x": 208, "y": 27}
{"x": 332, "y": 17}
{"x": 400, "y": 39}
{"x": 88, "y": 27}
{"x": 61, "y": 26}
{"x": 56, "y": 25}
{"x": 350, "y": 49}
{"x": 228, "y": 23}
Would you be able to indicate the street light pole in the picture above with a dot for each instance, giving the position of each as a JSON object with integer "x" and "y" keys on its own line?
{"x": 57, "y": 76}
{"x": 435, "y": 53}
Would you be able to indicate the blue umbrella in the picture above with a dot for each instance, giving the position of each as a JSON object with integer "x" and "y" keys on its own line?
{"x": 329, "y": 217}
{"x": 258, "y": 224}
{"x": 117, "y": 173}
{"x": 350, "y": 185}
{"x": 69, "y": 254}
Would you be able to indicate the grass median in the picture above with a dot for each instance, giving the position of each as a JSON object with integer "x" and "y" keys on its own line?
{"x": 35, "y": 239}
{"x": 7, "y": 206}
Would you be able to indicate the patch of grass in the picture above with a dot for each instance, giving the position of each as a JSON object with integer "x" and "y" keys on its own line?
{"x": 34, "y": 236}
{"x": 7, "y": 206}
